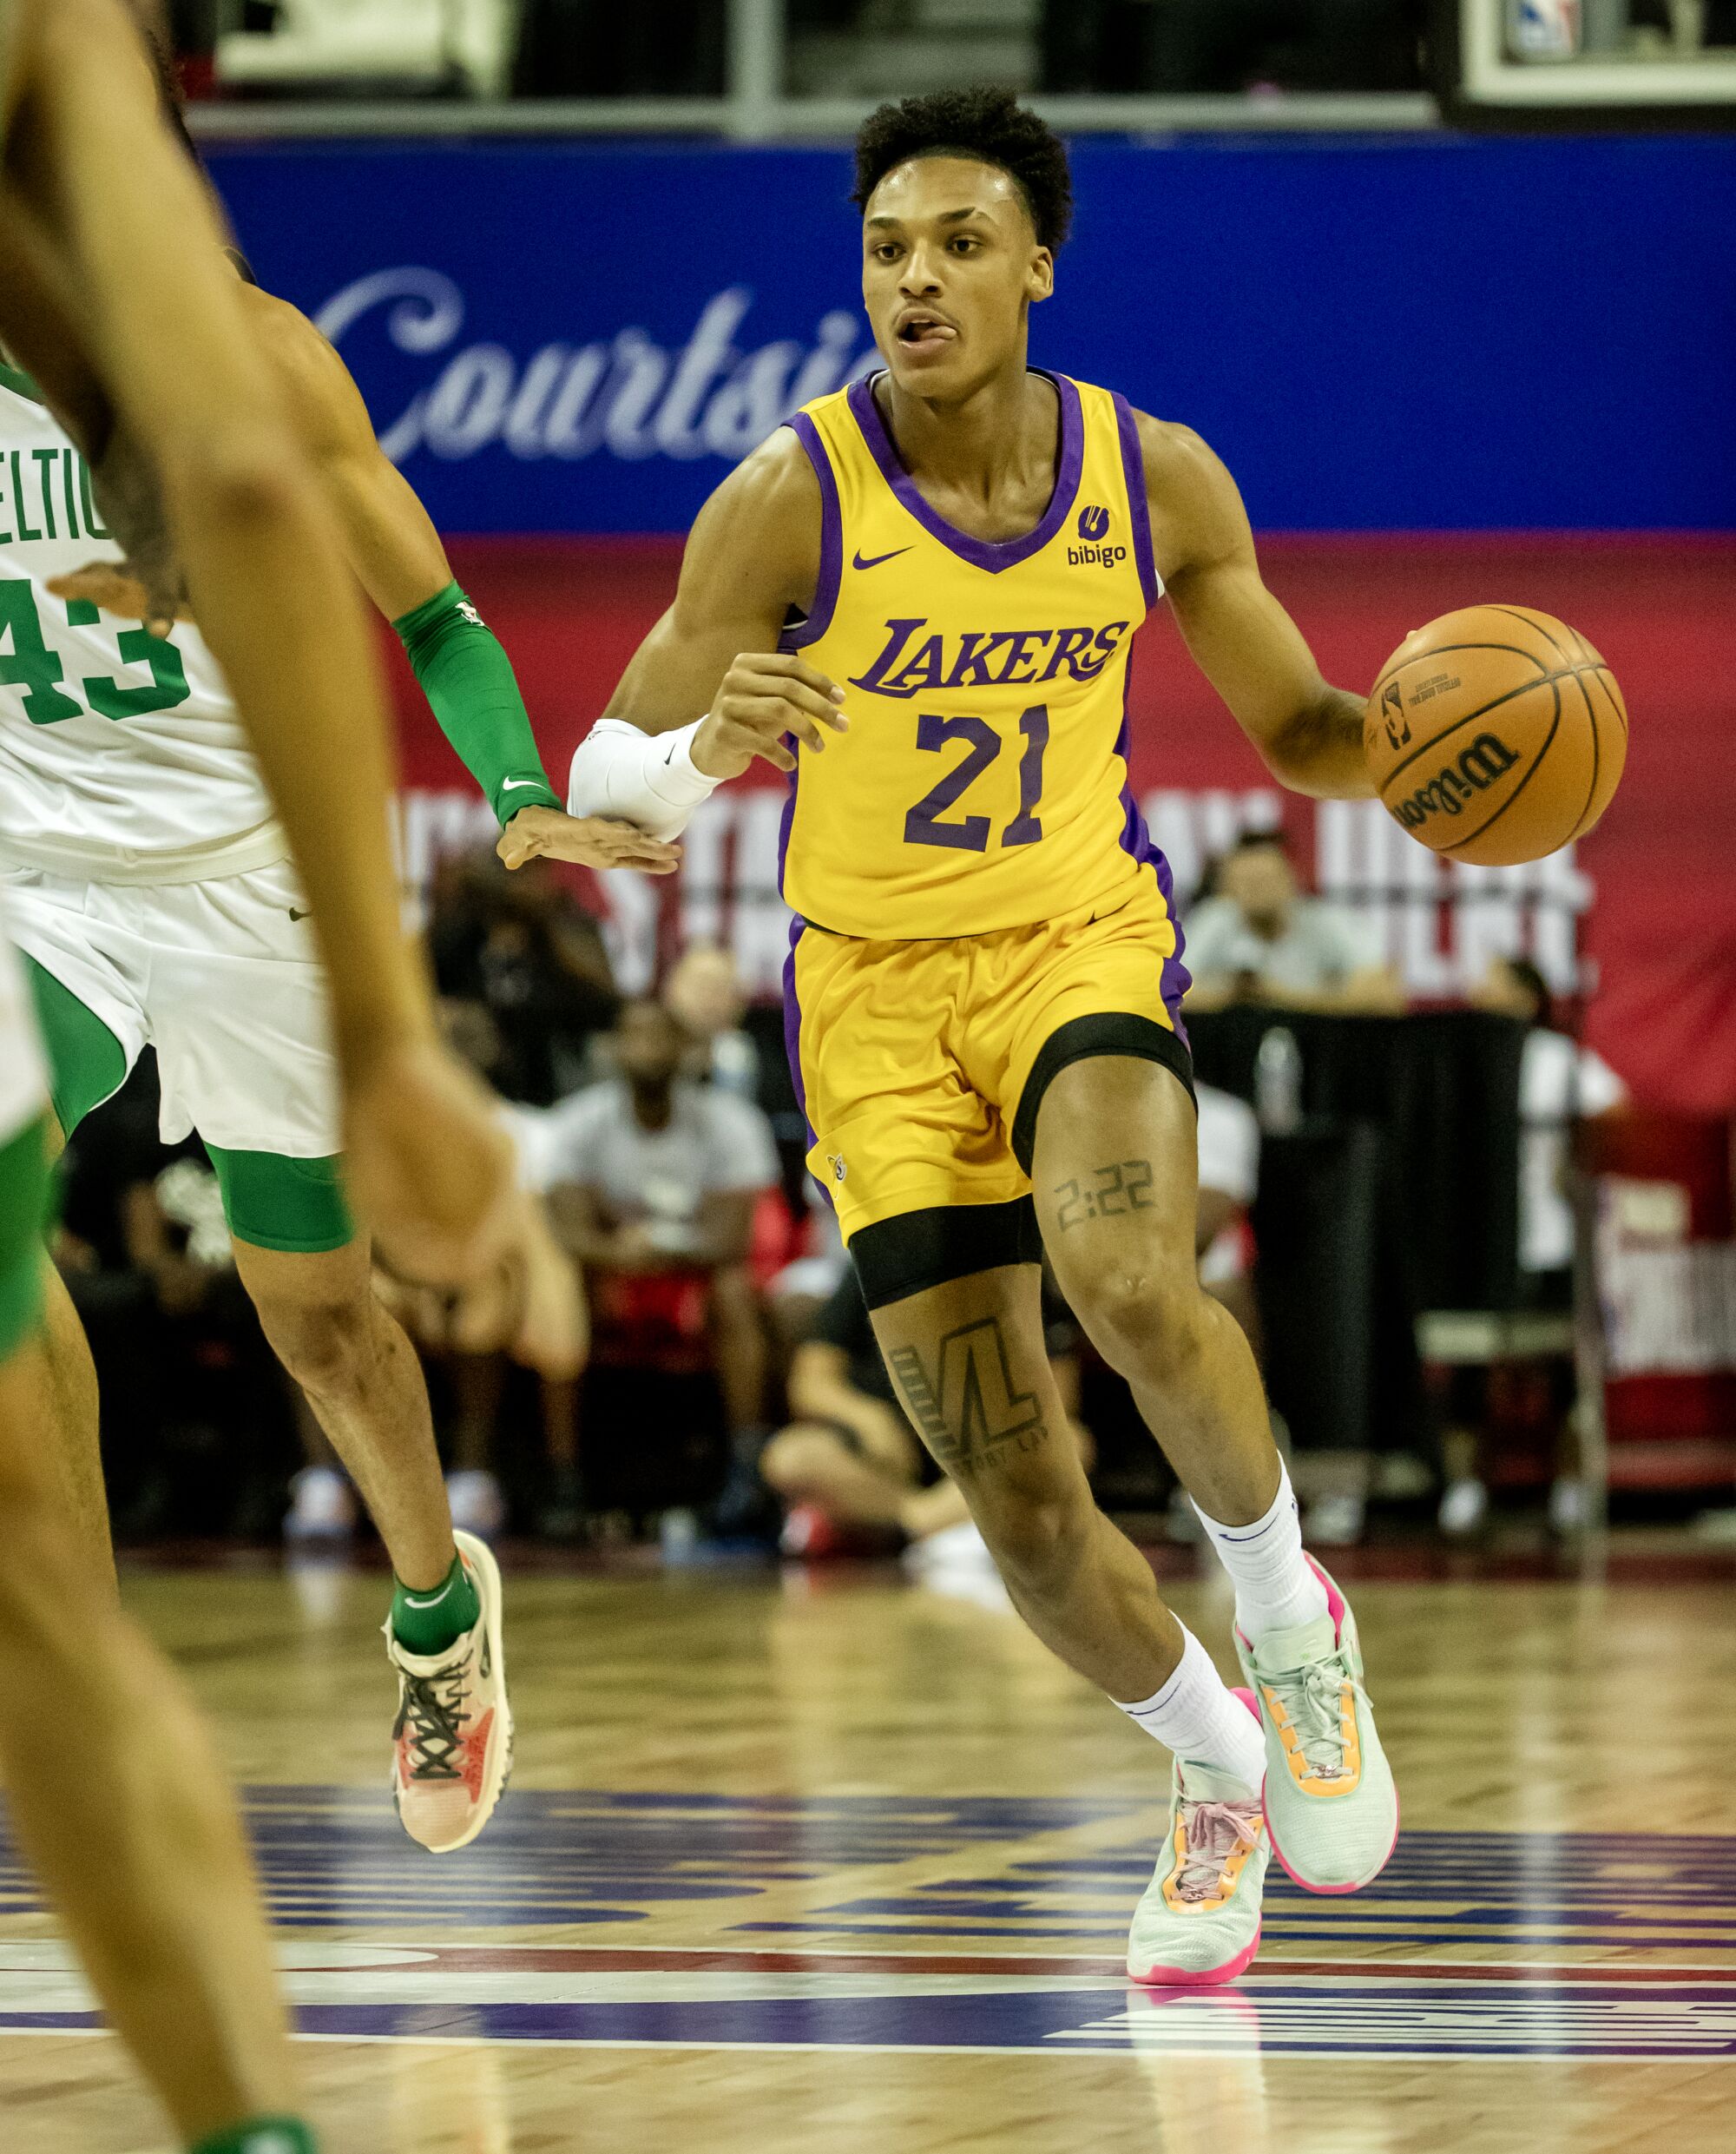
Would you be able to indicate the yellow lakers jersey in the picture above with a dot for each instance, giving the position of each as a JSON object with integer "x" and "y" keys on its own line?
{"x": 983, "y": 782}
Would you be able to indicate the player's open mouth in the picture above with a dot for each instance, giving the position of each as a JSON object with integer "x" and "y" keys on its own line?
{"x": 925, "y": 333}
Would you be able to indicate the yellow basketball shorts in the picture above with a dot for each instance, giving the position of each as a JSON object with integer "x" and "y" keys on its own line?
{"x": 921, "y": 1067}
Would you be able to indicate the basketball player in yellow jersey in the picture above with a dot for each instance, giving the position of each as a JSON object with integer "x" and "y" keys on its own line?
{"x": 985, "y": 969}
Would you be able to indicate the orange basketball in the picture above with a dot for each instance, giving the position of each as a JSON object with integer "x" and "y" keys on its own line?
{"x": 1495, "y": 735}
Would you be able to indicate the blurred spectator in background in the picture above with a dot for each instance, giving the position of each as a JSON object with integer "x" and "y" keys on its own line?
{"x": 522, "y": 948}
{"x": 856, "y": 1477}
{"x": 1560, "y": 1083}
{"x": 653, "y": 1184}
{"x": 1561, "y": 1086}
{"x": 1229, "y": 1179}
{"x": 1259, "y": 939}
{"x": 192, "y": 26}
{"x": 1175, "y": 47}
{"x": 704, "y": 990}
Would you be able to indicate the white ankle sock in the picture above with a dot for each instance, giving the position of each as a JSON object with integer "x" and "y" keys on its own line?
{"x": 1275, "y": 1588}
{"x": 1198, "y": 1718}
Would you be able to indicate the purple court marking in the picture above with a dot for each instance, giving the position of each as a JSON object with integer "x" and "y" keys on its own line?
{"x": 782, "y": 1873}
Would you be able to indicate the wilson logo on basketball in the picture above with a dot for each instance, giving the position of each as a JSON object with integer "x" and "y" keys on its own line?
{"x": 1093, "y": 527}
{"x": 1487, "y": 759}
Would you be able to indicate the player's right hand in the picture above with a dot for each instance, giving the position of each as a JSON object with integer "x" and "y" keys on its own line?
{"x": 765, "y": 696}
{"x": 588, "y": 840}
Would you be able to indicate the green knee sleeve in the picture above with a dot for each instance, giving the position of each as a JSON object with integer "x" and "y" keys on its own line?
{"x": 297, "y": 1205}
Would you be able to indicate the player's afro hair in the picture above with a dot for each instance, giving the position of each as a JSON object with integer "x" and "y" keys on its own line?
{"x": 989, "y": 125}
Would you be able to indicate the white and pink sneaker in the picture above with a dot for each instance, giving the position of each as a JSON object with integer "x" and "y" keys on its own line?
{"x": 1331, "y": 1805}
{"x": 1200, "y": 1920}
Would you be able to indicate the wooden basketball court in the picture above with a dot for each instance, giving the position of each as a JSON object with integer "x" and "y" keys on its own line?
{"x": 834, "y": 1861}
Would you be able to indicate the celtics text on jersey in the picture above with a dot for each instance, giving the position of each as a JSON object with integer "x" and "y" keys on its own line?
{"x": 122, "y": 757}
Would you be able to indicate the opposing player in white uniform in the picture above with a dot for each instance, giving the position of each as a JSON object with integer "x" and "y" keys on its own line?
{"x": 108, "y": 276}
{"x": 149, "y": 885}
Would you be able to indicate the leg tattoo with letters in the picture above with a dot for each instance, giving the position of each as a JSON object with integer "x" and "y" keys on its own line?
{"x": 969, "y": 1413}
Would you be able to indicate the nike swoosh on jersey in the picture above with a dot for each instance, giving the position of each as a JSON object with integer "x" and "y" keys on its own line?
{"x": 506, "y": 784}
{"x": 858, "y": 563}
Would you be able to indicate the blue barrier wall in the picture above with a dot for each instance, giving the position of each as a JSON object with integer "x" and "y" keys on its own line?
{"x": 1432, "y": 332}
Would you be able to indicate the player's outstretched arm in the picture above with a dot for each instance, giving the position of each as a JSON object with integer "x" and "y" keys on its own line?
{"x": 1308, "y": 733}
{"x": 399, "y": 559}
{"x": 708, "y": 686}
{"x": 400, "y": 562}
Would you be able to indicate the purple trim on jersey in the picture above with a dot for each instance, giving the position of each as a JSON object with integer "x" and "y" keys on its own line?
{"x": 1136, "y": 840}
{"x": 982, "y": 553}
{"x": 793, "y": 1018}
{"x": 830, "y": 541}
{"x": 1139, "y": 505}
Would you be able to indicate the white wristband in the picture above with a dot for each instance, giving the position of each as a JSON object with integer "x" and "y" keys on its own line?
{"x": 649, "y": 779}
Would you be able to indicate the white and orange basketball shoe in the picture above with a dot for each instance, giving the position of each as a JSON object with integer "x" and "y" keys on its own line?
{"x": 1331, "y": 1807}
{"x": 452, "y": 1745}
{"x": 1199, "y": 1921}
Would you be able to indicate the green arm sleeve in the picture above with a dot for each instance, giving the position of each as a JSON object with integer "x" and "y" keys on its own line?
{"x": 470, "y": 688}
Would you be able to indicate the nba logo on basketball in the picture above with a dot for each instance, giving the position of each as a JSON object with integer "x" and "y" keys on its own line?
{"x": 1093, "y": 527}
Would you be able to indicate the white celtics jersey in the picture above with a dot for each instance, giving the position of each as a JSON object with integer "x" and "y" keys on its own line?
{"x": 122, "y": 758}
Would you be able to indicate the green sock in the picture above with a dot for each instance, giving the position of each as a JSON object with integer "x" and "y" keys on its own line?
{"x": 425, "y": 1624}
{"x": 266, "y": 2135}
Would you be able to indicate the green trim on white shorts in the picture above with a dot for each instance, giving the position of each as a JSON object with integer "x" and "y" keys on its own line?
{"x": 269, "y": 1200}
{"x": 24, "y": 1212}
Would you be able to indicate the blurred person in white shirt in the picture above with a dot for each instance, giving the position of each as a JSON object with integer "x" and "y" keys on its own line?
{"x": 653, "y": 1183}
{"x": 1258, "y": 938}
{"x": 704, "y": 991}
{"x": 1562, "y": 1085}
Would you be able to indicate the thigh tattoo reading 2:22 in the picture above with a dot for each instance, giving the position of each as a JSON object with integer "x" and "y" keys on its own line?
{"x": 1125, "y": 1186}
{"x": 969, "y": 1413}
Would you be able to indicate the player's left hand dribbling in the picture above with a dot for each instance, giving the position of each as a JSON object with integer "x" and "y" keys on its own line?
{"x": 586, "y": 840}
{"x": 767, "y": 696}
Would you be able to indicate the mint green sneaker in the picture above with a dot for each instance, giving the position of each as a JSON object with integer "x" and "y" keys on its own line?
{"x": 1199, "y": 1921}
{"x": 1332, "y": 1809}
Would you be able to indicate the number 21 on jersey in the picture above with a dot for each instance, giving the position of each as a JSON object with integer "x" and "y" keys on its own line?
{"x": 970, "y": 834}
